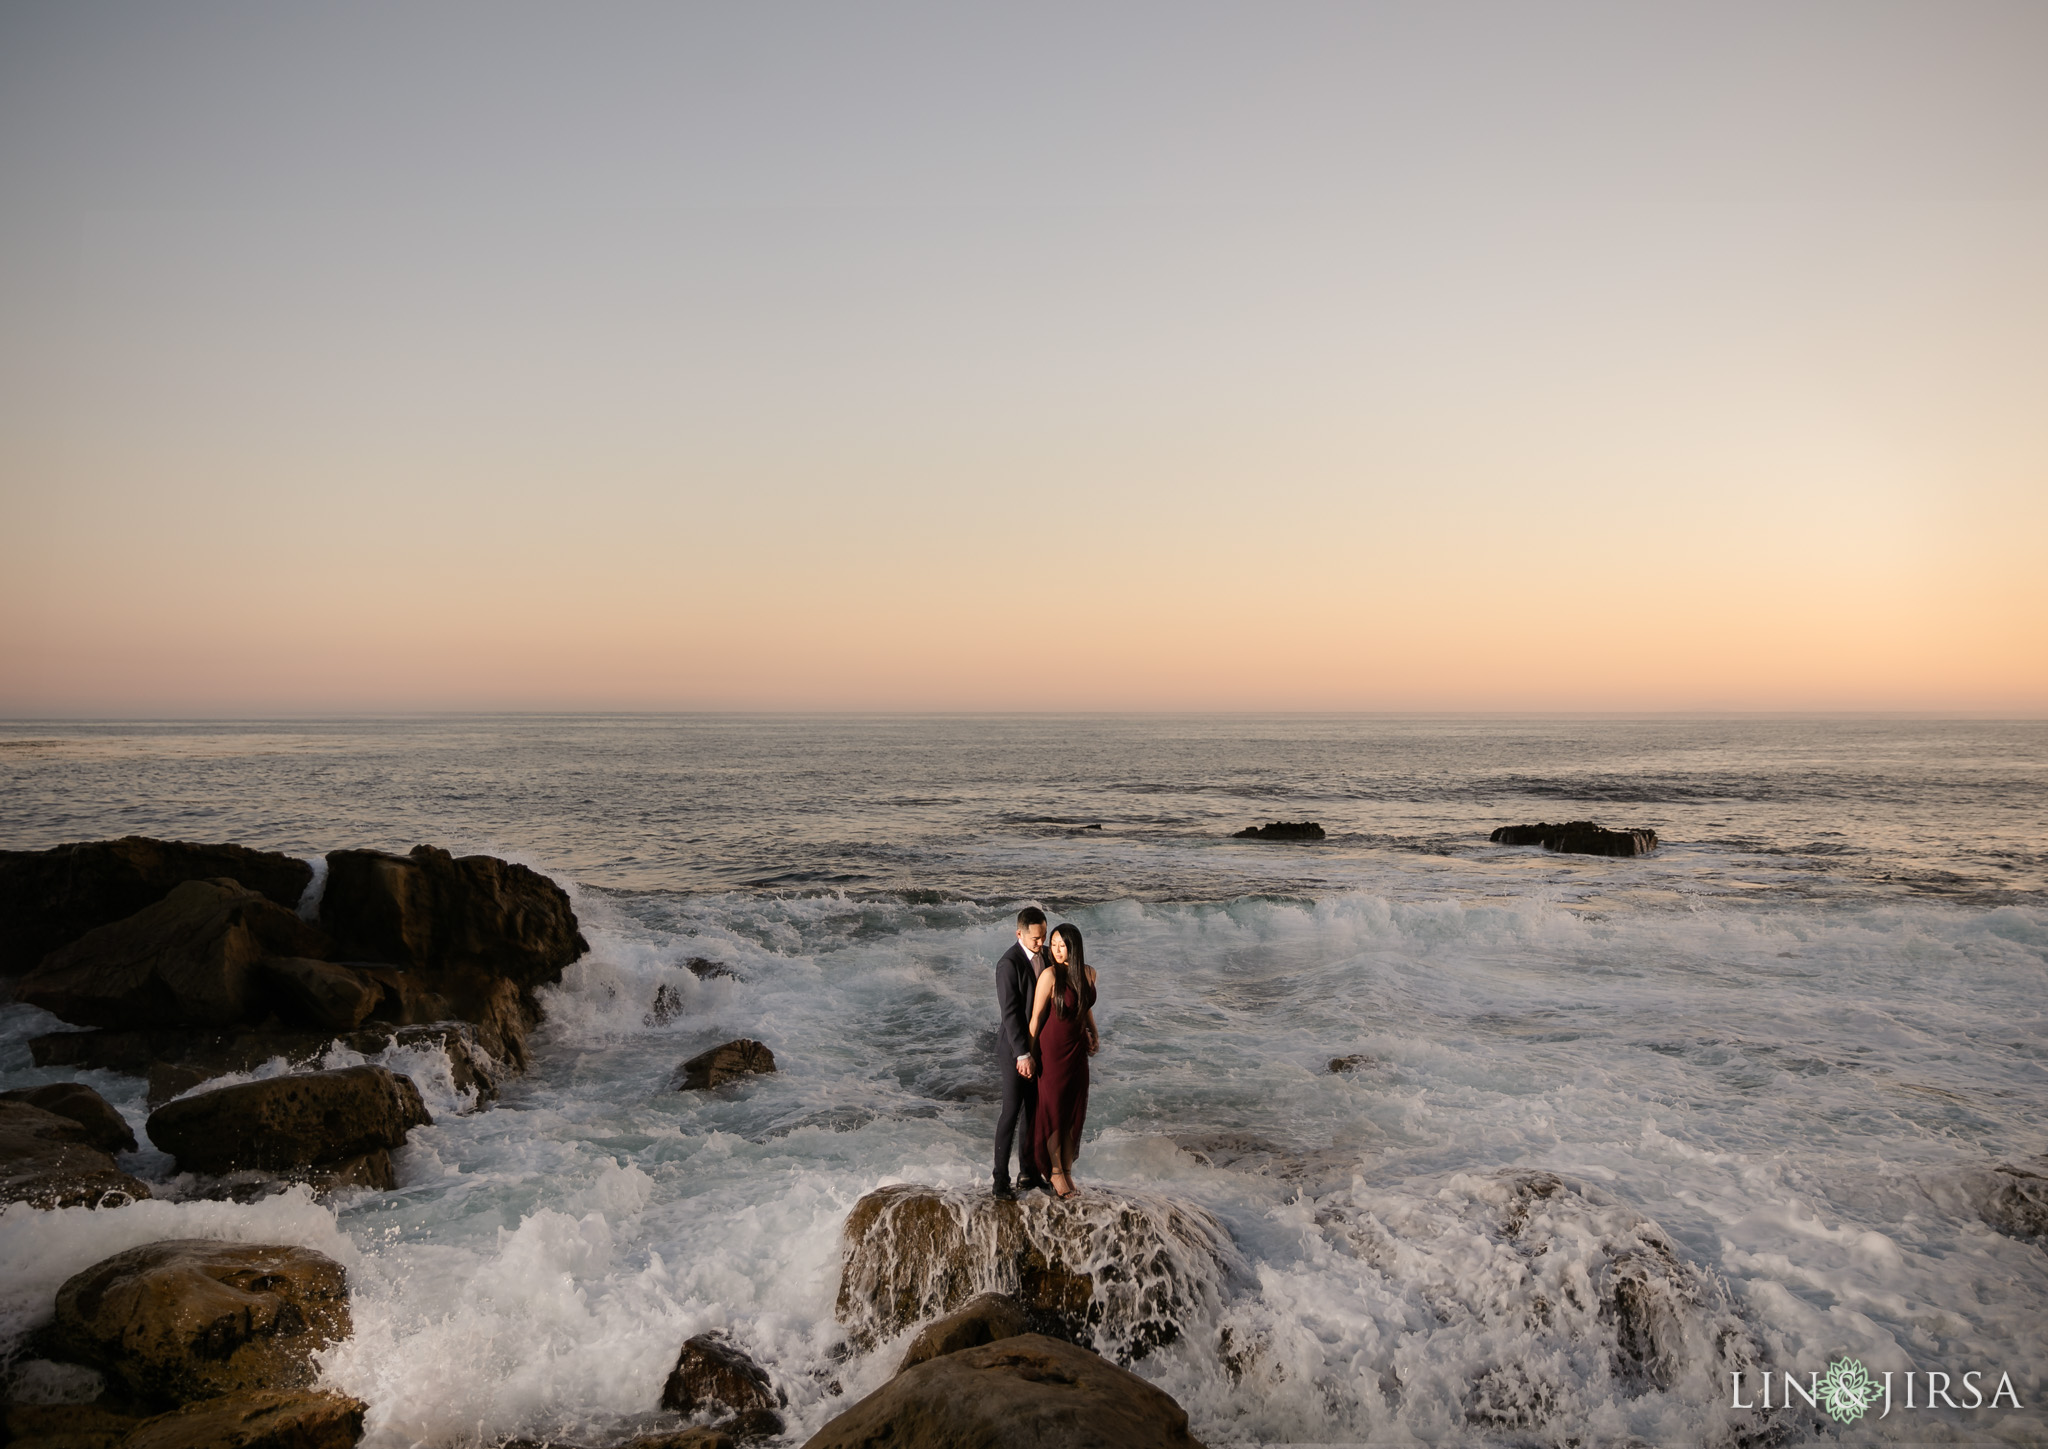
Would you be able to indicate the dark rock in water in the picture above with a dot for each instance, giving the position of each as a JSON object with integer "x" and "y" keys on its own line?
{"x": 105, "y": 1128}
{"x": 283, "y": 1123}
{"x": 723, "y": 1064}
{"x": 916, "y": 1253}
{"x": 269, "y": 1419}
{"x": 1282, "y": 830}
{"x": 1578, "y": 837}
{"x": 48, "y": 1161}
{"x": 1352, "y": 1063}
{"x": 981, "y": 1320}
{"x": 705, "y": 970}
{"x": 65, "y": 1426}
{"x": 668, "y": 1005}
{"x": 1027, "y": 1390}
{"x": 49, "y": 898}
{"x": 2014, "y": 1200}
{"x": 185, "y": 961}
{"x": 429, "y": 911}
{"x": 712, "y": 1376}
{"x": 318, "y": 995}
{"x": 191, "y": 1318}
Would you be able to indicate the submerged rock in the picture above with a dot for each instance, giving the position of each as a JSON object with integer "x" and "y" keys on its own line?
{"x": 1578, "y": 837}
{"x": 283, "y": 1123}
{"x": 666, "y": 1006}
{"x": 707, "y": 970}
{"x": 1535, "y": 1298}
{"x": 1117, "y": 1269}
{"x": 105, "y": 1128}
{"x": 193, "y": 1318}
{"x": 723, "y": 1064}
{"x": 981, "y": 1320}
{"x": 2014, "y": 1200}
{"x": 265, "y": 1420}
{"x": 1282, "y": 830}
{"x": 49, "y": 898}
{"x": 1024, "y": 1391}
{"x": 185, "y": 961}
{"x": 713, "y": 1376}
{"x": 50, "y": 1161}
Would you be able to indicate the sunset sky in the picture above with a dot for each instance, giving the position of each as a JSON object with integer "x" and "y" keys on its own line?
{"x": 1126, "y": 356}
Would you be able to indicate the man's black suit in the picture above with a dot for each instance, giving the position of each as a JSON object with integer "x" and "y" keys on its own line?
{"x": 1015, "y": 984}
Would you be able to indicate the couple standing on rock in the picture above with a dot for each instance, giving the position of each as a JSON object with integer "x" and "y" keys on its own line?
{"x": 1045, "y": 997}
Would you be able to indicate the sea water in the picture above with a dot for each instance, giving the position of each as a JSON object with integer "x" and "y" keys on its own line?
{"x": 1792, "y": 1039}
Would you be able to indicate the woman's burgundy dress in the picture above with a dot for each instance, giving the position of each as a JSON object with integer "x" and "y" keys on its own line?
{"x": 1062, "y": 1078}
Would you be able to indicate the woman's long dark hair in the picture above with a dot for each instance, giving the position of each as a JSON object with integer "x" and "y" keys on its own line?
{"x": 1070, "y": 975}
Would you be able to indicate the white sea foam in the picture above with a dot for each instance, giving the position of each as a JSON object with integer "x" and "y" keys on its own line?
{"x": 1791, "y": 1096}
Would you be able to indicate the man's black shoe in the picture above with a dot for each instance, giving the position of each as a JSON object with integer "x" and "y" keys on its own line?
{"x": 1034, "y": 1184}
{"x": 1004, "y": 1191}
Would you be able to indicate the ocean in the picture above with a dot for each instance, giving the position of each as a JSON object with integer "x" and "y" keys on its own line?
{"x": 1793, "y": 1039}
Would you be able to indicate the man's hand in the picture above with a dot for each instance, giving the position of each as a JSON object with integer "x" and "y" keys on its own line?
{"x": 1024, "y": 1066}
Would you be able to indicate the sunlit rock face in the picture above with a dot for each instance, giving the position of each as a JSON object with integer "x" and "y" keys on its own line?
{"x": 1119, "y": 1272}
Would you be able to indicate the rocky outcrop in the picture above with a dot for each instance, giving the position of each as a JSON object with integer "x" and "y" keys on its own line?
{"x": 981, "y": 1320}
{"x": 1024, "y": 1391}
{"x": 104, "y": 1128}
{"x": 282, "y": 1124}
{"x": 318, "y": 995}
{"x": 177, "y": 1061}
{"x": 1282, "y": 830}
{"x": 65, "y": 1426}
{"x": 49, "y": 898}
{"x": 430, "y": 912}
{"x": 1578, "y": 837}
{"x": 711, "y": 1376}
{"x": 265, "y": 1420}
{"x": 1120, "y": 1271}
{"x": 723, "y": 1064}
{"x": 2014, "y": 1200}
{"x": 186, "y": 961}
{"x": 50, "y": 1161}
{"x": 193, "y": 1318}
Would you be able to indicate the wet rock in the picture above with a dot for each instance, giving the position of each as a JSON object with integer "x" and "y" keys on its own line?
{"x": 64, "y": 1426}
{"x": 1118, "y": 1270}
{"x": 317, "y": 995}
{"x": 1282, "y": 830}
{"x": 1578, "y": 837}
{"x": 666, "y": 1007}
{"x": 49, "y": 1161}
{"x": 49, "y": 898}
{"x": 185, "y": 961}
{"x": 723, "y": 1064}
{"x": 2014, "y": 1200}
{"x": 1026, "y": 1390}
{"x": 706, "y": 970}
{"x": 193, "y": 1318}
{"x": 1549, "y": 1297}
{"x": 265, "y": 1420}
{"x": 980, "y": 1320}
{"x": 283, "y": 1123}
{"x": 1351, "y": 1063}
{"x": 105, "y": 1128}
{"x": 429, "y": 911}
{"x": 711, "y": 1374}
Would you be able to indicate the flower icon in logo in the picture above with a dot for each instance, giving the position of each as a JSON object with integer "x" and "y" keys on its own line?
{"x": 1846, "y": 1390}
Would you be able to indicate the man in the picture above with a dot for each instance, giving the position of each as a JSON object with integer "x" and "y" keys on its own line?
{"x": 1016, "y": 983}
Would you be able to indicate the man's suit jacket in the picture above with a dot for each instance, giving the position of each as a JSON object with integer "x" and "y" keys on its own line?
{"x": 1015, "y": 984}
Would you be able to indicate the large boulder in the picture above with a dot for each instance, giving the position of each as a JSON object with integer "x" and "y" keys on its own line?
{"x": 712, "y": 1376}
{"x": 429, "y": 911}
{"x": 722, "y": 1064}
{"x": 284, "y": 1123}
{"x": 49, "y": 898}
{"x": 186, "y": 961}
{"x": 1024, "y": 1391}
{"x": 1578, "y": 837}
{"x": 1122, "y": 1271}
{"x": 317, "y": 995}
{"x": 50, "y": 1161}
{"x": 192, "y": 1318}
{"x": 267, "y": 1419}
{"x": 105, "y": 1128}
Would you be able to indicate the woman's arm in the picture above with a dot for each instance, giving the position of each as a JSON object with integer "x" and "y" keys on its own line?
{"x": 1094, "y": 1037}
{"x": 1040, "y": 1000}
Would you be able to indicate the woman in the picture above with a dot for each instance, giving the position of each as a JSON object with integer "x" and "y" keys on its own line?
{"x": 1063, "y": 1031}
